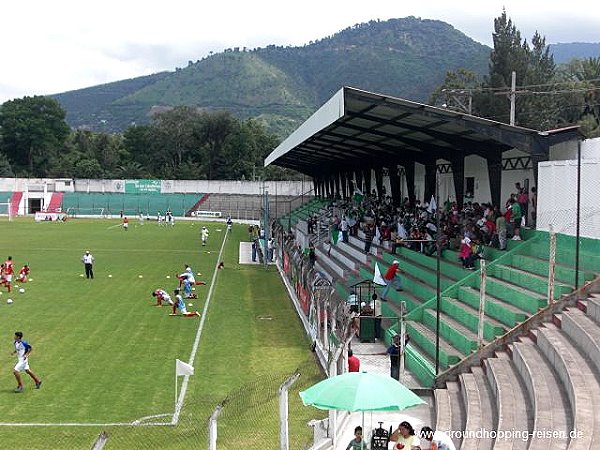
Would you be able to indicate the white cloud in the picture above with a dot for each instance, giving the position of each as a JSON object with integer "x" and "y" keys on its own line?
{"x": 56, "y": 46}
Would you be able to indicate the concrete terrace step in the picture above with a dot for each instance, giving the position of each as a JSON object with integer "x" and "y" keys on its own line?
{"x": 357, "y": 253}
{"x": 580, "y": 382}
{"x": 518, "y": 296}
{"x": 418, "y": 270}
{"x": 584, "y": 332}
{"x": 332, "y": 266}
{"x": 426, "y": 340}
{"x": 539, "y": 266}
{"x": 415, "y": 292}
{"x": 452, "y": 331}
{"x": 488, "y": 412}
{"x": 511, "y": 402}
{"x": 344, "y": 258}
{"x": 469, "y": 317}
{"x": 593, "y": 308}
{"x": 443, "y": 412}
{"x": 457, "y": 409}
{"x": 551, "y": 410}
{"x": 471, "y": 398}
{"x": 359, "y": 243}
{"x": 531, "y": 281}
{"x": 496, "y": 308}
{"x": 453, "y": 271}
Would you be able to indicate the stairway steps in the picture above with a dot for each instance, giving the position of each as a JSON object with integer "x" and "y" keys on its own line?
{"x": 582, "y": 329}
{"x": 425, "y": 339}
{"x": 531, "y": 281}
{"x": 488, "y": 416}
{"x": 511, "y": 403}
{"x": 469, "y": 317}
{"x": 496, "y": 308}
{"x": 471, "y": 398}
{"x": 457, "y": 409}
{"x": 579, "y": 380}
{"x": 545, "y": 393}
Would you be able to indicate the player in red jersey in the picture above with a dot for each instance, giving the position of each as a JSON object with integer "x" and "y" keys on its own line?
{"x": 7, "y": 273}
{"x": 23, "y": 276}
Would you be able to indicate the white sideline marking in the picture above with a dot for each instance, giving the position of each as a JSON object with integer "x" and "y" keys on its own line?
{"x": 186, "y": 378}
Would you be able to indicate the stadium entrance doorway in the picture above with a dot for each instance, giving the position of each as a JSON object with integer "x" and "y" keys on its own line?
{"x": 34, "y": 205}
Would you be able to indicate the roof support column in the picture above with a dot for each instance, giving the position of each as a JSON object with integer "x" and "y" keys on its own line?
{"x": 358, "y": 176}
{"x": 395, "y": 185}
{"x": 344, "y": 180}
{"x": 535, "y": 159}
{"x": 338, "y": 190}
{"x": 409, "y": 171}
{"x": 315, "y": 186}
{"x": 379, "y": 181}
{"x": 494, "y": 164}
{"x": 330, "y": 185}
{"x": 367, "y": 175}
{"x": 458, "y": 174}
{"x": 430, "y": 177}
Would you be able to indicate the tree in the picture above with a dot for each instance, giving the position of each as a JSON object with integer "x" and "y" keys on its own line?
{"x": 33, "y": 132}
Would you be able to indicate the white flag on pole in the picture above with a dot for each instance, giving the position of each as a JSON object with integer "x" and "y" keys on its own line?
{"x": 432, "y": 206}
{"x": 182, "y": 368}
{"x": 377, "y": 278}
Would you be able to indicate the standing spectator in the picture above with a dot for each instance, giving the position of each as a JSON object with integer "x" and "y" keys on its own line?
{"x": 22, "y": 350}
{"x": 390, "y": 278}
{"x": 369, "y": 235}
{"x": 523, "y": 200}
{"x": 394, "y": 352}
{"x": 270, "y": 248}
{"x": 377, "y": 313}
{"x": 353, "y": 362}
{"x": 516, "y": 217}
{"x": 344, "y": 229}
{"x": 88, "y": 262}
{"x": 466, "y": 254}
{"x": 254, "y": 251}
{"x": 312, "y": 256}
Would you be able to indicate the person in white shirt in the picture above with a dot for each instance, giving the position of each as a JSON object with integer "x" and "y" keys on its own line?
{"x": 88, "y": 262}
{"x": 204, "y": 235}
{"x": 22, "y": 350}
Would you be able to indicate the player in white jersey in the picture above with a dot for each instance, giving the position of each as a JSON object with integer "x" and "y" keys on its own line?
{"x": 204, "y": 235}
{"x": 22, "y": 350}
{"x": 162, "y": 296}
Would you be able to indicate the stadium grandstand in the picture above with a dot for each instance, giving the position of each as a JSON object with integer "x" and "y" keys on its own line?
{"x": 503, "y": 339}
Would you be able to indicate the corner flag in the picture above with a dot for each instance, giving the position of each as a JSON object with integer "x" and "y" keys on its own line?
{"x": 182, "y": 368}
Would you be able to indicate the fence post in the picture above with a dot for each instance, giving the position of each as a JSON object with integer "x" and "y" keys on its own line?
{"x": 212, "y": 427}
{"x": 552, "y": 265}
{"x": 483, "y": 277}
{"x": 284, "y": 438}
{"x": 402, "y": 338}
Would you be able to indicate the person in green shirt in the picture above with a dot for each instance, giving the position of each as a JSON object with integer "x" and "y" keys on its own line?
{"x": 516, "y": 216}
{"x": 357, "y": 443}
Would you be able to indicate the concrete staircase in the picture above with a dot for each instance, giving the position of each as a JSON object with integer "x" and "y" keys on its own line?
{"x": 541, "y": 392}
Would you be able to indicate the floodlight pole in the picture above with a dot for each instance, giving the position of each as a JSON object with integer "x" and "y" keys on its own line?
{"x": 577, "y": 232}
{"x": 438, "y": 287}
{"x": 402, "y": 338}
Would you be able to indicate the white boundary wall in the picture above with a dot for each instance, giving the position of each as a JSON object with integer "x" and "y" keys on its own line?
{"x": 287, "y": 188}
{"x": 557, "y": 197}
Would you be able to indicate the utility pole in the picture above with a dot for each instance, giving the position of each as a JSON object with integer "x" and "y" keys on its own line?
{"x": 513, "y": 97}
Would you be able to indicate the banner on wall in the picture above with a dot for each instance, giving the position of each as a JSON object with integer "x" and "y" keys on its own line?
{"x": 142, "y": 186}
{"x": 50, "y": 217}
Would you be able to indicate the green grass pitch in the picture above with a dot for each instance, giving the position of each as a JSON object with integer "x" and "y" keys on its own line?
{"x": 106, "y": 355}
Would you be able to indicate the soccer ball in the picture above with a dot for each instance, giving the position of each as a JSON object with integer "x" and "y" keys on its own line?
{"x": 190, "y": 304}
{"x": 110, "y": 276}
{"x": 22, "y": 290}
{"x": 140, "y": 276}
{"x": 9, "y": 301}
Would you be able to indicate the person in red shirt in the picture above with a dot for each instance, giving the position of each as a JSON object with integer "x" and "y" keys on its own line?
{"x": 390, "y": 278}
{"x": 7, "y": 273}
{"x": 23, "y": 274}
{"x": 125, "y": 223}
{"x": 353, "y": 362}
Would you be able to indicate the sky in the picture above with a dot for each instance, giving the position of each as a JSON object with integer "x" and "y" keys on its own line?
{"x": 48, "y": 47}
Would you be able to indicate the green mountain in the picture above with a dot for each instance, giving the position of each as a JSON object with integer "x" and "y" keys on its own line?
{"x": 406, "y": 57}
{"x": 565, "y": 52}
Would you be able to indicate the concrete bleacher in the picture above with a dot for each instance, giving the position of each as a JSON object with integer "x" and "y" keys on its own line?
{"x": 541, "y": 388}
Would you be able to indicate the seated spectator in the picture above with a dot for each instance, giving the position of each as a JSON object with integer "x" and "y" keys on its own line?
{"x": 466, "y": 254}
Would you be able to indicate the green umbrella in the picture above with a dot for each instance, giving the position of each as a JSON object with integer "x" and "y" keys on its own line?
{"x": 360, "y": 391}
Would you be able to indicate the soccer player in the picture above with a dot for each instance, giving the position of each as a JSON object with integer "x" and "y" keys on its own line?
{"x": 141, "y": 218}
{"x": 125, "y": 223}
{"x": 162, "y": 296}
{"x": 179, "y": 304}
{"x": 204, "y": 235}
{"x": 88, "y": 261}
{"x": 23, "y": 350}
{"x": 7, "y": 273}
{"x": 23, "y": 276}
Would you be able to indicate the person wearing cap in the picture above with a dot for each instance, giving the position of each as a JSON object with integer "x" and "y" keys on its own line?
{"x": 391, "y": 278}
{"x": 22, "y": 350}
{"x": 88, "y": 262}
{"x": 466, "y": 254}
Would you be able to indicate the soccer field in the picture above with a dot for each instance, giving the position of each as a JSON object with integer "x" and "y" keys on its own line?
{"x": 107, "y": 356}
